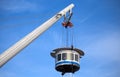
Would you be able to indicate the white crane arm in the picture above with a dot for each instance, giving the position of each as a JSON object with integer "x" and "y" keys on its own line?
{"x": 17, "y": 47}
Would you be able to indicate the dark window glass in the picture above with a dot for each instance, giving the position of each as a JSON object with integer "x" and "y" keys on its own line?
{"x": 76, "y": 57}
{"x": 59, "y": 57}
{"x": 72, "y": 56}
{"x": 64, "y": 56}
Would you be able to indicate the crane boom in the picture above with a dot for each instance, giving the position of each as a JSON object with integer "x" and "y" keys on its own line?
{"x": 20, "y": 45}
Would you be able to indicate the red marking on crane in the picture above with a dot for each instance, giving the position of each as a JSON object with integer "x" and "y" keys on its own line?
{"x": 67, "y": 24}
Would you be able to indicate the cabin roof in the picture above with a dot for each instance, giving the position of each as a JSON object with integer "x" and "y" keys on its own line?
{"x": 59, "y": 49}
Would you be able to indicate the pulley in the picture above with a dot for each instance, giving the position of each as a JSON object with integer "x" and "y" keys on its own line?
{"x": 66, "y": 23}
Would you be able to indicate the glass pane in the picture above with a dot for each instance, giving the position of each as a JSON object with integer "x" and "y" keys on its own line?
{"x": 59, "y": 57}
{"x": 76, "y": 57}
{"x": 72, "y": 56}
{"x": 64, "y": 56}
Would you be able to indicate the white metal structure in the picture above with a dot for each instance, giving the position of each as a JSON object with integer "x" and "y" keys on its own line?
{"x": 17, "y": 47}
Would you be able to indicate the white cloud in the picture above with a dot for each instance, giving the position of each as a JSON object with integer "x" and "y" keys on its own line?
{"x": 106, "y": 47}
{"x": 7, "y": 73}
{"x": 102, "y": 56}
{"x": 17, "y": 5}
{"x": 86, "y": 18}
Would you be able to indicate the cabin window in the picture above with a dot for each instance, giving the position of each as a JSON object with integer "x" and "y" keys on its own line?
{"x": 72, "y": 56}
{"x": 76, "y": 57}
{"x": 64, "y": 56}
{"x": 59, "y": 57}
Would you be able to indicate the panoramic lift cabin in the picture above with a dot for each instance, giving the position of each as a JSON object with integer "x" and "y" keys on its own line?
{"x": 67, "y": 60}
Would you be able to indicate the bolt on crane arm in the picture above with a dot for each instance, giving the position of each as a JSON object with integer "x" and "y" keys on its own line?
{"x": 20, "y": 45}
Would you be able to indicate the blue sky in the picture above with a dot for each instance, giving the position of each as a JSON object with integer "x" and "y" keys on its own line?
{"x": 96, "y": 32}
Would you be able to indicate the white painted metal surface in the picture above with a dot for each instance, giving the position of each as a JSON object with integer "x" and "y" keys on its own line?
{"x": 16, "y": 48}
